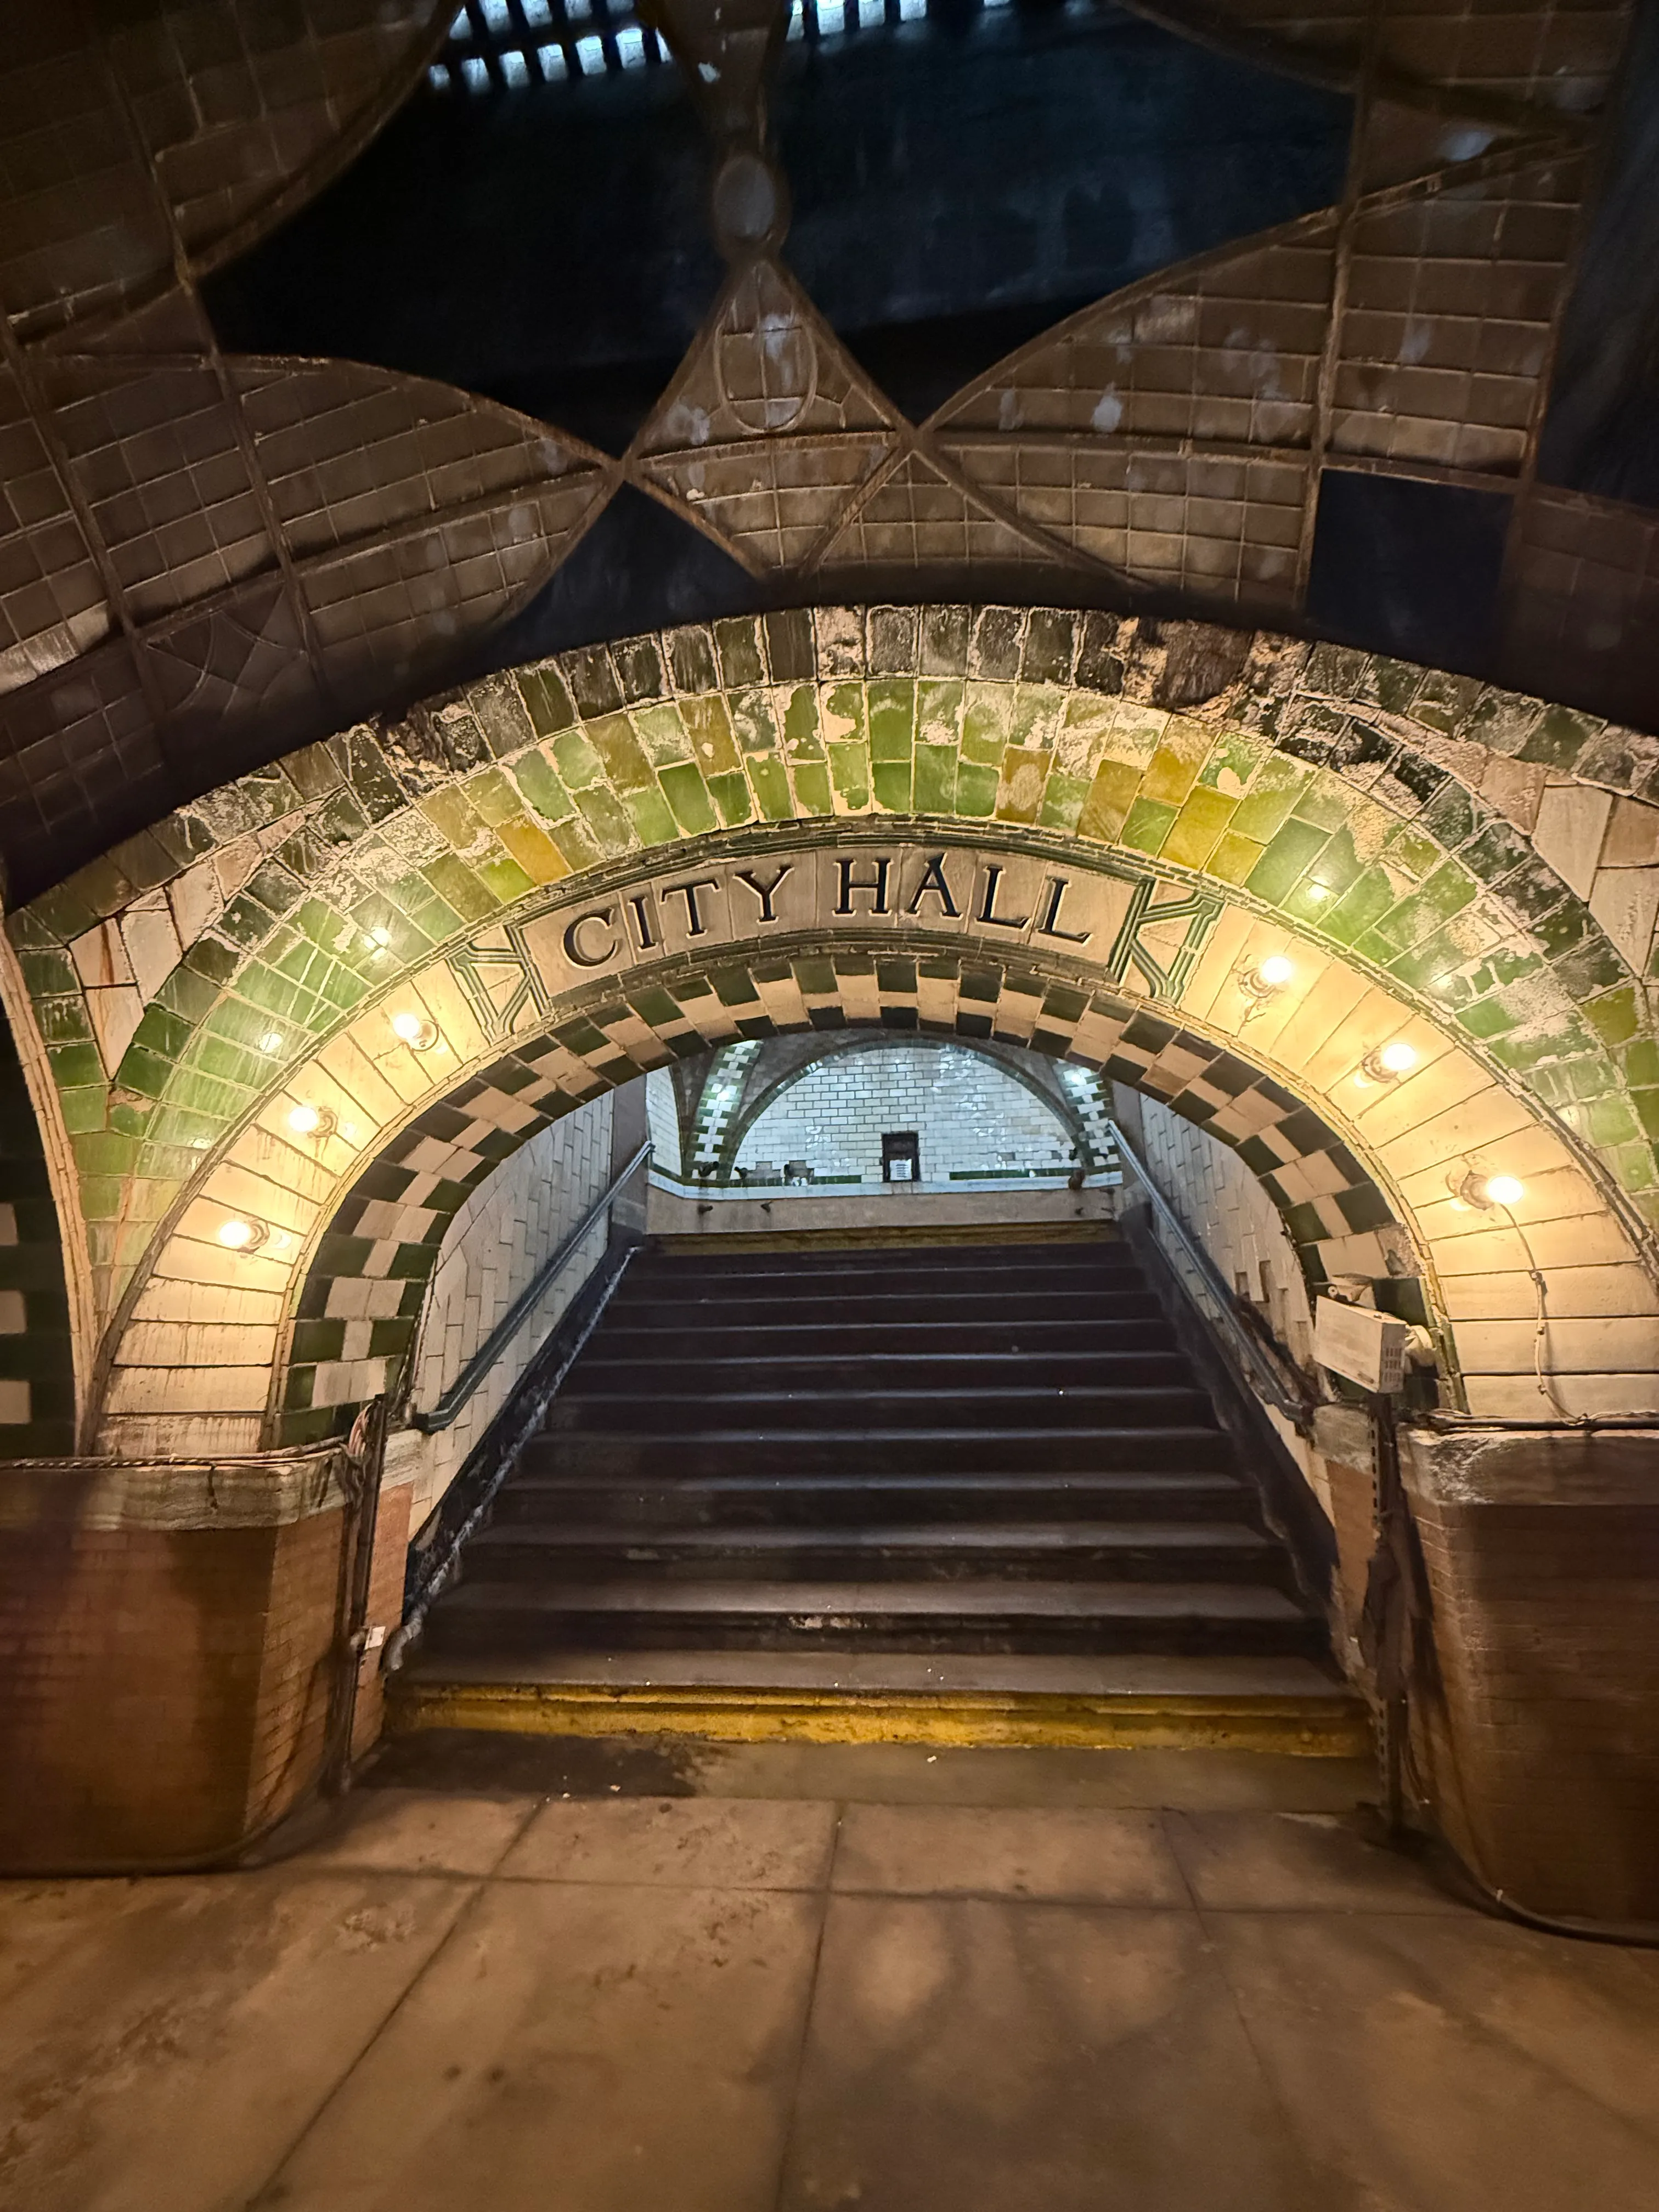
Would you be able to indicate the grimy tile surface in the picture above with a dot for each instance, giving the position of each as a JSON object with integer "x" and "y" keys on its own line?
{"x": 634, "y": 1984}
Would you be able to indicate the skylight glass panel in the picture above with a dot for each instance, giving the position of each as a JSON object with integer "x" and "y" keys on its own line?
{"x": 552, "y": 62}
{"x": 515, "y": 69}
{"x": 873, "y": 13}
{"x": 590, "y": 53}
{"x": 536, "y": 13}
{"x": 832, "y": 17}
{"x": 476, "y": 74}
{"x": 497, "y": 15}
{"x": 630, "y": 48}
{"x": 438, "y": 77}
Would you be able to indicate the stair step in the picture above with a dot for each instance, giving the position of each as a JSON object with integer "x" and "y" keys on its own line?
{"x": 985, "y": 1616}
{"x": 1002, "y": 1262}
{"x": 965, "y": 1305}
{"x": 744, "y": 1373}
{"x": 1129, "y": 1551}
{"x": 692, "y": 1413}
{"x": 624, "y": 1338}
{"x": 967, "y": 1450}
{"x": 773, "y": 1499}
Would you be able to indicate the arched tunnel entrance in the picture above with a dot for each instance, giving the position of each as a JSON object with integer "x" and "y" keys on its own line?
{"x": 283, "y": 1046}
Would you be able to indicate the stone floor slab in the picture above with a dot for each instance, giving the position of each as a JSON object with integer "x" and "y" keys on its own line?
{"x": 413, "y": 1832}
{"x": 1454, "y": 2066}
{"x": 177, "y": 2036}
{"x": 1256, "y": 1861}
{"x": 1087, "y": 1855}
{"x": 587, "y": 2047}
{"x": 684, "y": 1842}
{"x": 980, "y": 2057}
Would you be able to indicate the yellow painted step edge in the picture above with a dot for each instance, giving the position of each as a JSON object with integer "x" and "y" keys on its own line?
{"x": 1307, "y": 1728}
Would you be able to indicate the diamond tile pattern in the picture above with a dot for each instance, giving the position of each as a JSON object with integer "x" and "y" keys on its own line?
{"x": 201, "y": 115}
{"x": 918, "y": 519}
{"x": 410, "y": 513}
{"x": 770, "y": 426}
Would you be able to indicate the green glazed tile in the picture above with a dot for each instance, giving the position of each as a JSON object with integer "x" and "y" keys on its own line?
{"x": 976, "y": 789}
{"x": 771, "y": 786}
{"x": 651, "y": 817}
{"x": 612, "y": 738}
{"x": 1234, "y": 858}
{"x": 891, "y": 780}
{"x": 892, "y": 708}
{"x": 850, "y": 767}
{"x": 687, "y": 794}
{"x": 578, "y": 764}
{"x": 936, "y": 779}
{"x": 1199, "y": 827}
{"x": 731, "y": 794}
{"x": 1148, "y": 825}
{"x": 1289, "y": 854}
{"x": 1273, "y": 792}
{"x": 611, "y": 826}
{"x": 1064, "y": 797}
{"x": 1110, "y": 796}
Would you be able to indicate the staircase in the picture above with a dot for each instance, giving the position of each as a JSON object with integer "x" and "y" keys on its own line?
{"x": 941, "y": 1472}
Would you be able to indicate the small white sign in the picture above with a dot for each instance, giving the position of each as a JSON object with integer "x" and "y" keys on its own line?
{"x": 1366, "y": 1347}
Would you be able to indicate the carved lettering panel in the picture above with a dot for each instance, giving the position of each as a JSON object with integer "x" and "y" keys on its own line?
{"x": 1141, "y": 930}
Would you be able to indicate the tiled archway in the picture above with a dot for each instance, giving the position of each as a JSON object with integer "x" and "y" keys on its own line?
{"x": 1467, "y": 870}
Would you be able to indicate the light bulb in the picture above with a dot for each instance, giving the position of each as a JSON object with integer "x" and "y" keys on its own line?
{"x": 1386, "y": 1063}
{"x": 311, "y": 1122}
{"x": 1261, "y": 981}
{"x": 1472, "y": 1188}
{"x": 239, "y": 1236}
{"x": 271, "y": 1041}
{"x": 413, "y": 1030}
{"x": 1276, "y": 971}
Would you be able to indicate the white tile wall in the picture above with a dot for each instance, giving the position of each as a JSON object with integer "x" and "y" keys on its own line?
{"x": 1227, "y": 1212}
{"x": 496, "y": 1245}
{"x": 969, "y": 1114}
{"x": 662, "y": 1118}
{"x": 1222, "y": 1202}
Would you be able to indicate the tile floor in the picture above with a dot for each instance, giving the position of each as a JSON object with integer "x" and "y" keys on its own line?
{"x": 835, "y": 1983}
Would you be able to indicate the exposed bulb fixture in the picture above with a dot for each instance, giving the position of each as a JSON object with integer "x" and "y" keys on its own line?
{"x": 238, "y": 1235}
{"x": 311, "y": 1122}
{"x": 1262, "y": 982}
{"x": 1387, "y": 1063}
{"x": 414, "y": 1031}
{"x": 1483, "y": 1192}
{"x": 271, "y": 1041}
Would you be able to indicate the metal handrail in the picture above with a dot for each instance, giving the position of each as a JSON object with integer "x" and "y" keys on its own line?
{"x": 455, "y": 1399}
{"x": 1296, "y": 1405}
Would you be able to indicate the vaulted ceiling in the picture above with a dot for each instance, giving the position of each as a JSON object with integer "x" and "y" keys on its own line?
{"x": 1334, "y": 316}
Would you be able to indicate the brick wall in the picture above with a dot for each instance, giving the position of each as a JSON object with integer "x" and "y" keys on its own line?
{"x": 167, "y": 1679}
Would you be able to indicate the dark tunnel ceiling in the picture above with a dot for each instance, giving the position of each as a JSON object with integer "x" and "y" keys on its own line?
{"x": 957, "y": 188}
